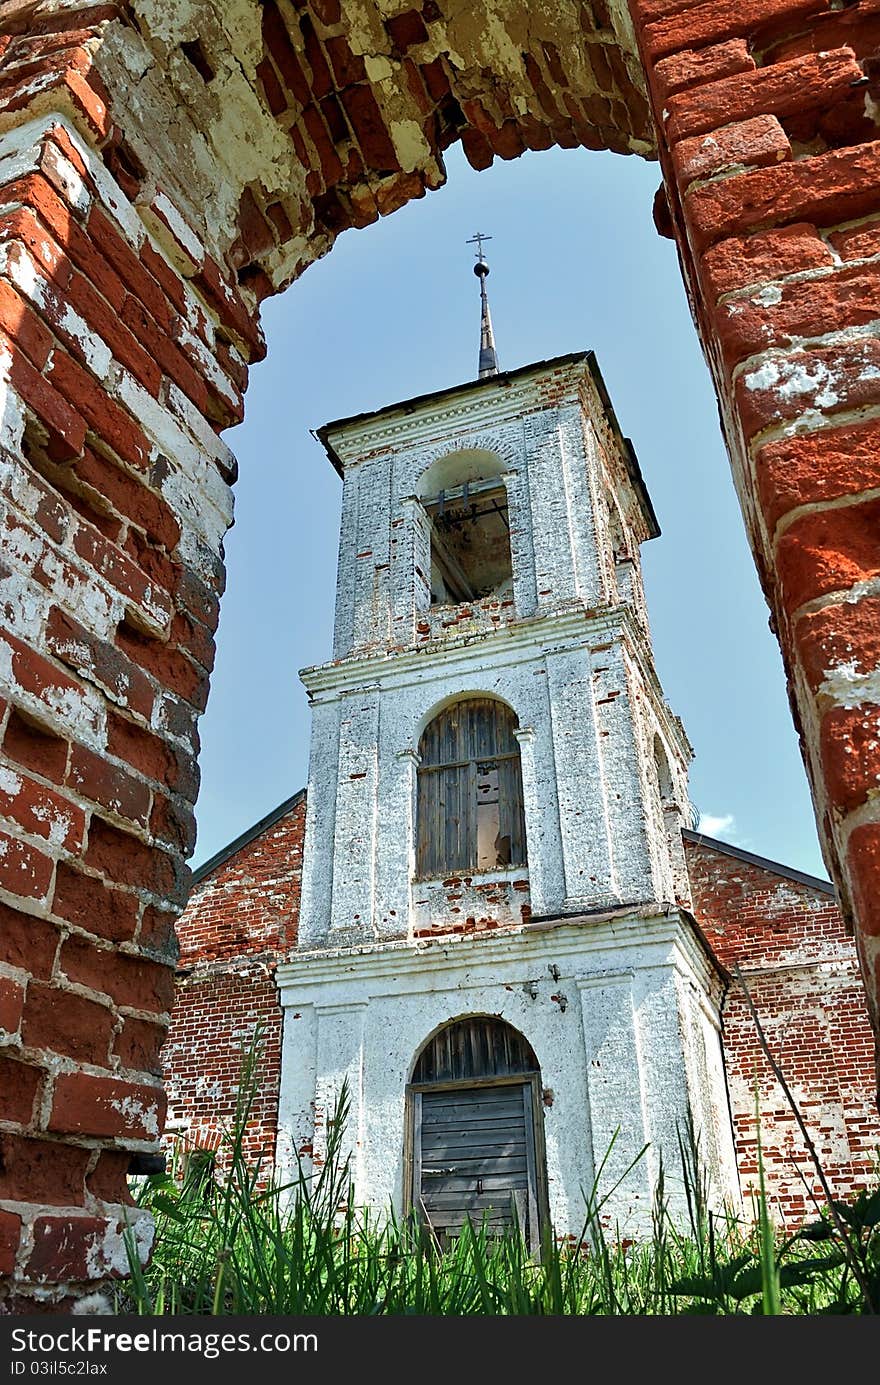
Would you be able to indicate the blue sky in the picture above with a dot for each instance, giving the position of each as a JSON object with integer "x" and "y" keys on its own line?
{"x": 393, "y": 312}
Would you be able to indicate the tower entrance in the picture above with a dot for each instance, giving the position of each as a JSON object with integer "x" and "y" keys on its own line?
{"x": 475, "y": 1131}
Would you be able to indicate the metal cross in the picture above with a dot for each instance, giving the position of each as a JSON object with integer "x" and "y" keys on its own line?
{"x": 478, "y": 241}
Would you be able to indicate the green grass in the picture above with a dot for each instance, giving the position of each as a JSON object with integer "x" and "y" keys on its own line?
{"x": 306, "y": 1249}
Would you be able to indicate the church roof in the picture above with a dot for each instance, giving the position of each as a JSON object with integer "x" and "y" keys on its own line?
{"x": 787, "y": 872}
{"x": 249, "y": 835}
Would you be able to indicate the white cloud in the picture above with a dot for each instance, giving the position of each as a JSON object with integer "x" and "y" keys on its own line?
{"x": 713, "y": 826}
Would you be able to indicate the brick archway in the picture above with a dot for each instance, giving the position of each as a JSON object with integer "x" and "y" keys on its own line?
{"x": 165, "y": 165}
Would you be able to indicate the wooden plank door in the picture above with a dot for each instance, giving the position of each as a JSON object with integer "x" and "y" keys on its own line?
{"x": 474, "y": 1157}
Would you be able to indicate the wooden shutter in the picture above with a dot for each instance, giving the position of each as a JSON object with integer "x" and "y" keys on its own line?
{"x": 470, "y": 733}
{"x": 474, "y": 1158}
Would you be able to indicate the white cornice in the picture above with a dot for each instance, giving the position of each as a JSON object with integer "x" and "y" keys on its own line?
{"x": 515, "y": 642}
{"x": 511, "y": 643}
{"x": 646, "y": 940}
{"x": 486, "y": 405}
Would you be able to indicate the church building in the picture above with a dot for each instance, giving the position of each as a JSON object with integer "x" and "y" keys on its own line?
{"x": 489, "y": 917}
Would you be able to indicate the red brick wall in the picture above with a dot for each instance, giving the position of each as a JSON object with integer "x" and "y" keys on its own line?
{"x": 113, "y": 388}
{"x": 801, "y": 969}
{"x": 769, "y": 140}
{"x": 238, "y": 924}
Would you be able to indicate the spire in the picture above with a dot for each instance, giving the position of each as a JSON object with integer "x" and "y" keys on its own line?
{"x": 488, "y": 354}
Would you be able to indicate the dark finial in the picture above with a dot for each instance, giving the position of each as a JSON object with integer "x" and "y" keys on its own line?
{"x": 488, "y": 354}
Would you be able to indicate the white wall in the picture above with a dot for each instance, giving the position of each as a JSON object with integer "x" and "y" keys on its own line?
{"x": 610, "y": 1035}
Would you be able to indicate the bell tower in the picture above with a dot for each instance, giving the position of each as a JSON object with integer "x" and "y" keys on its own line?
{"x": 495, "y": 948}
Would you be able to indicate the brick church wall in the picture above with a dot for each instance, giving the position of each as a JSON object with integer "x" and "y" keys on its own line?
{"x": 799, "y": 963}
{"x": 241, "y": 920}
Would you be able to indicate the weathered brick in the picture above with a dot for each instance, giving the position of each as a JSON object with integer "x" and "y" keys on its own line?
{"x": 849, "y": 741}
{"x": 230, "y": 308}
{"x": 128, "y": 265}
{"x": 167, "y": 665}
{"x": 10, "y": 1235}
{"x": 113, "y": 328}
{"x": 755, "y": 143}
{"x": 11, "y": 1003}
{"x": 24, "y": 870}
{"x": 840, "y": 643}
{"x": 406, "y": 29}
{"x": 108, "y": 1180}
{"x": 167, "y": 359}
{"x": 848, "y": 298}
{"x": 35, "y": 747}
{"x": 140, "y": 748}
{"x": 66, "y": 427}
{"x": 863, "y": 859}
{"x": 20, "y": 1084}
{"x": 125, "y": 860}
{"x": 27, "y": 942}
{"x": 69, "y": 1248}
{"x": 22, "y": 326}
{"x": 113, "y": 788}
{"x": 739, "y": 261}
{"x": 321, "y": 78}
{"x": 112, "y": 424}
{"x": 75, "y": 646}
{"x": 857, "y": 242}
{"x": 89, "y": 1105}
{"x": 696, "y": 66}
{"x": 809, "y": 468}
{"x": 42, "y": 1171}
{"x": 276, "y": 99}
{"x": 130, "y": 496}
{"x": 714, "y": 20}
{"x": 804, "y": 84}
{"x": 277, "y": 40}
{"x": 93, "y": 904}
{"x": 63, "y": 1022}
{"x": 138, "y": 1044}
{"x": 369, "y": 128}
{"x": 41, "y": 812}
{"x": 829, "y": 551}
{"x": 127, "y": 980}
{"x": 173, "y": 821}
{"x": 820, "y": 380}
{"x": 157, "y": 931}
{"x": 117, "y": 568}
{"x": 824, "y": 190}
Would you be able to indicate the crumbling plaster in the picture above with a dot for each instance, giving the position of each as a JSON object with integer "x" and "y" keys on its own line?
{"x": 224, "y": 124}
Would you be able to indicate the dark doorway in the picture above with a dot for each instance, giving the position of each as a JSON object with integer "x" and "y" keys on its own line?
{"x": 475, "y": 1145}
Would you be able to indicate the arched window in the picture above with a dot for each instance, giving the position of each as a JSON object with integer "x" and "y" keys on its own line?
{"x": 470, "y": 800}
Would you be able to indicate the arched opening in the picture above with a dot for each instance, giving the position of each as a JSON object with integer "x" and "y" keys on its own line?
{"x": 465, "y": 498}
{"x": 470, "y": 813}
{"x": 475, "y": 1149}
{"x": 664, "y": 775}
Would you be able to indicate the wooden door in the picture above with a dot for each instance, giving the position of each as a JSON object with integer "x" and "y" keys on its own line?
{"x": 474, "y": 1158}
